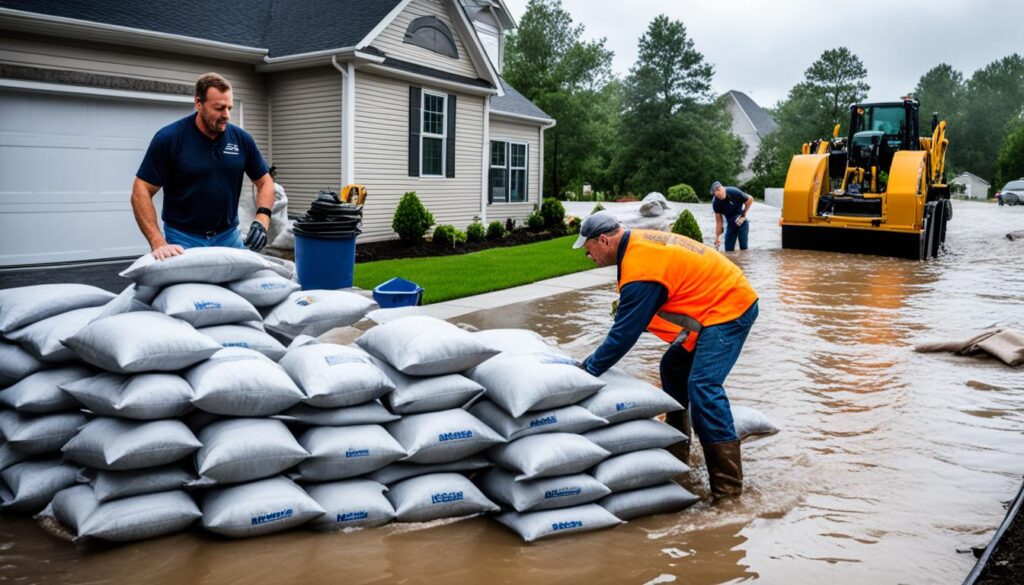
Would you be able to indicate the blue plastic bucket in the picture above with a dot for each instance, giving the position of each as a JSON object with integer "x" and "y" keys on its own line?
{"x": 325, "y": 262}
{"x": 397, "y": 292}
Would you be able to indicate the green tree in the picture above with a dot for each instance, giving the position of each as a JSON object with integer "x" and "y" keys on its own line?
{"x": 1010, "y": 161}
{"x": 942, "y": 91}
{"x": 548, "y": 61}
{"x": 674, "y": 132}
{"x": 994, "y": 105}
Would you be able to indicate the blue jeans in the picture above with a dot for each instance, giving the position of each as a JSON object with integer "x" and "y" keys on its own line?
{"x": 733, "y": 231}
{"x": 230, "y": 238}
{"x": 695, "y": 379}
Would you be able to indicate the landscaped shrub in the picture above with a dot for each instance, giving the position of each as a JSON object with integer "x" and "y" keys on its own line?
{"x": 597, "y": 208}
{"x": 572, "y": 224}
{"x": 475, "y": 232}
{"x": 553, "y": 213}
{"x": 495, "y": 230}
{"x": 535, "y": 223}
{"x": 687, "y": 226}
{"x": 411, "y": 220}
{"x": 510, "y": 225}
{"x": 682, "y": 193}
{"x": 447, "y": 236}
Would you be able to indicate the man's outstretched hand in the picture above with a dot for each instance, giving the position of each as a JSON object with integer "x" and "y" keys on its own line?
{"x": 166, "y": 251}
{"x": 257, "y": 238}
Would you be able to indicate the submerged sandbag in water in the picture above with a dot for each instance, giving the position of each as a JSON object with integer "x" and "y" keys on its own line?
{"x": 124, "y": 520}
{"x": 258, "y": 508}
{"x": 531, "y": 526}
{"x": 425, "y": 346}
{"x": 750, "y": 422}
{"x": 352, "y": 503}
{"x": 658, "y": 499}
{"x": 435, "y": 496}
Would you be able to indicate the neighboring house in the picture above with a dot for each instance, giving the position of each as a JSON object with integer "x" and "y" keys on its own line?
{"x": 399, "y": 95}
{"x": 974, "y": 186}
{"x": 751, "y": 123}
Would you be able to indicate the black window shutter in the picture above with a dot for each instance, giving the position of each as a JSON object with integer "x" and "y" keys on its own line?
{"x": 415, "y": 118}
{"x": 490, "y": 185}
{"x": 526, "y": 173}
{"x": 449, "y": 150}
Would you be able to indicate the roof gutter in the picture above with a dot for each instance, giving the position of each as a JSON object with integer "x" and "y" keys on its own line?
{"x": 73, "y": 28}
{"x": 545, "y": 122}
{"x": 325, "y": 57}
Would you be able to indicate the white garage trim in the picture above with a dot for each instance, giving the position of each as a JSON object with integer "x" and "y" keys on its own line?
{"x": 93, "y": 91}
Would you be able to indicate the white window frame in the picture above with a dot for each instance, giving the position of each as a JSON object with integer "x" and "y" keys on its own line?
{"x": 444, "y": 131}
{"x": 504, "y": 167}
{"x": 508, "y": 168}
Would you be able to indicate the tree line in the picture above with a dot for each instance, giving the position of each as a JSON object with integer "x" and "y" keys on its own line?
{"x": 660, "y": 125}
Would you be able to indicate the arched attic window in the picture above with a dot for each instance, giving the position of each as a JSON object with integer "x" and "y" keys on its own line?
{"x": 431, "y": 33}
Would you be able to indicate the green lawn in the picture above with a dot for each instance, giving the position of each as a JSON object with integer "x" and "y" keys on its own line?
{"x": 451, "y": 277}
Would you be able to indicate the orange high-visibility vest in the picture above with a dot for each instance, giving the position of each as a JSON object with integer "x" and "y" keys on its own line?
{"x": 704, "y": 287}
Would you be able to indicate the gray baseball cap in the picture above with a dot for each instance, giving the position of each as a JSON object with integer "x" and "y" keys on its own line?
{"x": 715, "y": 186}
{"x": 599, "y": 223}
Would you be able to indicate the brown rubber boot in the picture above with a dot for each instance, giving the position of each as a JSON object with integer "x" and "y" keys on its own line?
{"x": 681, "y": 422}
{"x": 725, "y": 469}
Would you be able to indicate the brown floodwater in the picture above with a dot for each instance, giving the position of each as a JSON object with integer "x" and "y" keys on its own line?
{"x": 888, "y": 462}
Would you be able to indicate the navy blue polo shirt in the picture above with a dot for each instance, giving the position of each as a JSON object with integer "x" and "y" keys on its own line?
{"x": 201, "y": 178}
{"x": 732, "y": 206}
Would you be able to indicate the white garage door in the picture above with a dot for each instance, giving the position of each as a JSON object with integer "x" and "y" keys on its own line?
{"x": 67, "y": 163}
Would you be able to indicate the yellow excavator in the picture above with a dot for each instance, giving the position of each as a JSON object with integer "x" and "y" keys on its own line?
{"x": 879, "y": 190}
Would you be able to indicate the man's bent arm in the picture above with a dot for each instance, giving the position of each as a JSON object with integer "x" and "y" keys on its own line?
{"x": 145, "y": 212}
{"x": 638, "y": 303}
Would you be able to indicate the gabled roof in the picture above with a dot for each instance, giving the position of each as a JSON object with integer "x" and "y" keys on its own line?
{"x": 762, "y": 121}
{"x": 516, "y": 104}
{"x": 973, "y": 176}
{"x": 283, "y": 27}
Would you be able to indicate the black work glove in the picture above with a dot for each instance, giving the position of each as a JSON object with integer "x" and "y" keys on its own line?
{"x": 257, "y": 238}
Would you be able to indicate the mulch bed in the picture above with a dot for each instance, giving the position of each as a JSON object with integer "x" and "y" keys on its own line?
{"x": 396, "y": 249}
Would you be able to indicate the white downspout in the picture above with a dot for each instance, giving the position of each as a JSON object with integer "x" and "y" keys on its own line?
{"x": 348, "y": 115}
{"x": 486, "y": 169}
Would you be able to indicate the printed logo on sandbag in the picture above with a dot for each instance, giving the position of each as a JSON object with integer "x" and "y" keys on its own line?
{"x": 340, "y": 358}
{"x": 549, "y": 358}
{"x": 556, "y": 526}
{"x": 272, "y": 285}
{"x": 231, "y": 148}
{"x": 455, "y": 436}
{"x": 305, "y": 301}
{"x": 206, "y": 305}
{"x": 235, "y": 344}
{"x": 544, "y": 421}
{"x": 620, "y": 406}
{"x": 445, "y": 497}
{"x": 357, "y": 453}
{"x": 562, "y": 492}
{"x": 350, "y": 516}
{"x": 272, "y": 517}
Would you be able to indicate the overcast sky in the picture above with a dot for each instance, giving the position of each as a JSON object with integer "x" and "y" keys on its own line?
{"x": 762, "y": 47}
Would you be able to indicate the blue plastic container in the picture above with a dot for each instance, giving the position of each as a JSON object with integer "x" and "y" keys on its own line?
{"x": 398, "y": 292}
{"x": 325, "y": 262}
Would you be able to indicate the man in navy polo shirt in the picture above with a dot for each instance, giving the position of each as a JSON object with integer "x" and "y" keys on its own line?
{"x": 733, "y": 205}
{"x": 199, "y": 161}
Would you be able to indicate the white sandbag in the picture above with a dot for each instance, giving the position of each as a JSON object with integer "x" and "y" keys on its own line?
{"x": 344, "y": 452}
{"x": 425, "y": 346}
{"x": 140, "y": 396}
{"x": 16, "y": 363}
{"x": 532, "y": 526}
{"x": 113, "y": 485}
{"x": 750, "y": 422}
{"x": 658, "y": 499}
{"x": 40, "y": 393}
{"x": 245, "y": 337}
{"x": 265, "y": 288}
{"x": 242, "y": 382}
{"x": 257, "y": 508}
{"x": 441, "y": 437}
{"x": 204, "y": 305}
{"x": 25, "y": 305}
{"x": 332, "y": 375}
{"x": 133, "y": 298}
{"x": 313, "y": 312}
{"x": 212, "y": 265}
{"x": 635, "y": 435}
{"x": 653, "y": 205}
{"x": 541, "y": 494}
{"x": 246, "y": 449}
{"x": 638, "y": 469}
{"x": 124, "y": 520}
{"x": 9, "y": 455}
{"x": 43, "y": 338}
{"x": 368, "y": 413}
{"x": 398, "y": 471}
{"x": 515, "y": 341}
{"x": 438, "y": 495}
{"x": 554, "y": 380}
{"x": 547, "y": 455}
{"x": 382, "y": 316}
{"x": 33, "y": 483}
{"x": 39, "y": 435}
{"x": 352, "y": 503}
{"x": 626, "y": 398}
{"x": 120, "y": 445}
{"x": 567, "y": 419}
{"x": 416, "y": 394}
{"x": 141, "y": 341}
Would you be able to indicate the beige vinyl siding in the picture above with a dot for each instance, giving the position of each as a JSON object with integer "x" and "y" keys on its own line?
{"x": 306, "y": 124}
{"x": 506, "y": 131}
{"x": 381, "y": 157}
{"x": 62, "y": 54}
{"x": 391, "y": 40}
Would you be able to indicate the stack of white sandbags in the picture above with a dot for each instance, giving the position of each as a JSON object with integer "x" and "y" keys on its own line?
{"x": 422, "y": 356}
{"x": 37, "y": 417}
